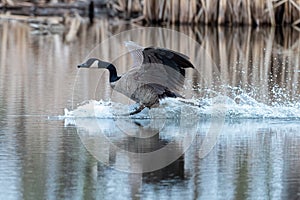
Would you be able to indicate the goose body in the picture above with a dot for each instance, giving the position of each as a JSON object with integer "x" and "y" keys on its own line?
{"x": 157, "y": 73}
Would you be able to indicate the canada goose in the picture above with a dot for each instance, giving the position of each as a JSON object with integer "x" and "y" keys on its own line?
{"x": 157, "y": 73}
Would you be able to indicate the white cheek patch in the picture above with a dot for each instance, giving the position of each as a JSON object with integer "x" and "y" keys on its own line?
{"x": 95, "y": 64}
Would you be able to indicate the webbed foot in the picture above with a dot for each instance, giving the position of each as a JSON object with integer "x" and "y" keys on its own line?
{"x": 136, "y": 111}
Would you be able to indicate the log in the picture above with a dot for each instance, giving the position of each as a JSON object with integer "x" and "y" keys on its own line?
{"x": 57, "y": 9}
{"x": 30, "y": 19}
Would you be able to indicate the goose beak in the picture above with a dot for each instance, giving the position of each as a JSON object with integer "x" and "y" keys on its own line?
{"x": 89, "y": 63}
{"x": 81, "y": 66}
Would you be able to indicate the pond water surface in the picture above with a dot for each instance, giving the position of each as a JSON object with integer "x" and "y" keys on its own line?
{"x": 60, "y": 139}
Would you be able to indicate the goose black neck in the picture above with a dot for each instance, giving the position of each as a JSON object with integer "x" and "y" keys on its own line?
{"x": 113, "y": 76}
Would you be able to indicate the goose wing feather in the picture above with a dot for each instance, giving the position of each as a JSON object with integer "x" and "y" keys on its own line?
{"x": 136, "y": 52}
{"x": 162, "y": 69}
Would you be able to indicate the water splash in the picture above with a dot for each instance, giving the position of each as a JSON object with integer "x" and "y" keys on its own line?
{"x": 241, "y": 106}
{"x": 238, "y": 104}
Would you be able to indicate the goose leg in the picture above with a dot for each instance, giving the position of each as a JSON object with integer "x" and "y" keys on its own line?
{"x": 198, "y": 104}
{"x": 138, "y": 110}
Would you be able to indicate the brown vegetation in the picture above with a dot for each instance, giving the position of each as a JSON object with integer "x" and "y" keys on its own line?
{"x": 222, "y": 12}
{"x": 229, "y": 12}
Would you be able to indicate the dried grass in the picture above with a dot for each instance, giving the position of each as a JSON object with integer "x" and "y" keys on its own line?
{"x": 234, "y": 12}
{"x": 222, "y": 12}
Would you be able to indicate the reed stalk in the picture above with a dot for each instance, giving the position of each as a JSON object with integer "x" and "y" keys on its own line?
{"x": 222, "y": 12}
{"x": 230, "y": 12}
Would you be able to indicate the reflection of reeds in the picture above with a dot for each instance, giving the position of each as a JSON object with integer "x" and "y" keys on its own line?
{"x": 257, "y": 58}
{"x": 247, "y": 57}
{"x": 261, "y": 58}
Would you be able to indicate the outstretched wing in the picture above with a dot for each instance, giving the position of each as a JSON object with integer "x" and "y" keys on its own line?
{"x": 136, "y": 52}
{"x": 173, "y": 59}
{"x": 170, "y": 58}
{"x": 164, "y": 67}
{"x": 161, "y": 69}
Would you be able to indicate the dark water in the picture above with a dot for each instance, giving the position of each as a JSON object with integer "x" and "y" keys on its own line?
{"x": 43, "y": 156}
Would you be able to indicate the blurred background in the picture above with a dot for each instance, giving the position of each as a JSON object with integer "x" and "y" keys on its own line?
{"x": 254, "y": 46}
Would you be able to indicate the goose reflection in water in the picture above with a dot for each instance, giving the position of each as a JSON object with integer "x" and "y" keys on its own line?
{"x": 138, "y": 146}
